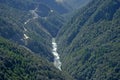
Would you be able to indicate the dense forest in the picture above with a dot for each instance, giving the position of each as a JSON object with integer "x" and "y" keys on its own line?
{"x": 86, "y": 37}
{"x": 89, "y": 43}
{"x": 19, "y": 63}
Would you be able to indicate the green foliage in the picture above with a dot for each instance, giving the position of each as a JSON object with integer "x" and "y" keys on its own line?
{"x": 90, "y": 42}
{"x": 52, "y": 23}
{"x": 13, "y": 17}
{"x": 18, "y": 63}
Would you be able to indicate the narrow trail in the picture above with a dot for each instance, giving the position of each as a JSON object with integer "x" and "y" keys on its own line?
{"x": 35, "y": 16}
{"x": 57, "y": 62}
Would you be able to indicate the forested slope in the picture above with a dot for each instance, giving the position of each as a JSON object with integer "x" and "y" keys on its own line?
{"x": 89, "y": 43}
{"x": 35, "y": 29}
{"x": 19, "y": 63}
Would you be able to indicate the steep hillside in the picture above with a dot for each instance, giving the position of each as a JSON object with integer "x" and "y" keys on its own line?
{"x": 19, "y": 63}
{"x": 90, "y": 42}
{"x": 14, "y": 26}
{"x": 30, "y": 23}
{"x": 50, "y": 19}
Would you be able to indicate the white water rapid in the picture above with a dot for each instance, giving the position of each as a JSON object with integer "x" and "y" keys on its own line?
{"x": 57, "y": 62}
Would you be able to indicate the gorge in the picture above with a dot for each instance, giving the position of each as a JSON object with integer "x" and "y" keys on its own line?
{"x": 52, "y": 40}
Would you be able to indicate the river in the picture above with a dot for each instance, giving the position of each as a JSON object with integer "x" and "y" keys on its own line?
{"x": 57, "y": 62}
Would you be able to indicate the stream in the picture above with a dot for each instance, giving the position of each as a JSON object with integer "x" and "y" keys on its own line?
{"x": 57, "y": 62}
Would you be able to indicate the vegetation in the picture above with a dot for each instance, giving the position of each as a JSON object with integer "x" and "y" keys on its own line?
{"x": 19, "y": 63}
{"x": 90, "y": 42}
{"x": 14, "y": 14}
{"x": 27, "y": 58}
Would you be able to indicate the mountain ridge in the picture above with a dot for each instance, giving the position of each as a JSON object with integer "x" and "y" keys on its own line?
{"x": 89, "y": 43}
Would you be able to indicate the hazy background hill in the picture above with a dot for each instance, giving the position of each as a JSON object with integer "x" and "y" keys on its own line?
{"x": 76, "y": 4}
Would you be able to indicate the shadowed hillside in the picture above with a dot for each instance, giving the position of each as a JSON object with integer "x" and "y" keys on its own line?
{"x": 90, "y": 42}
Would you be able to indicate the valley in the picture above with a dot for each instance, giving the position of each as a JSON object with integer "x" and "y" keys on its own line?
{"x": 57, "y": 62}
{"x": 59, "y": 39}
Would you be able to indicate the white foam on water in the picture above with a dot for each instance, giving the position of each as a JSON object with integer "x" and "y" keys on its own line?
{"x": 57, "y": 62}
